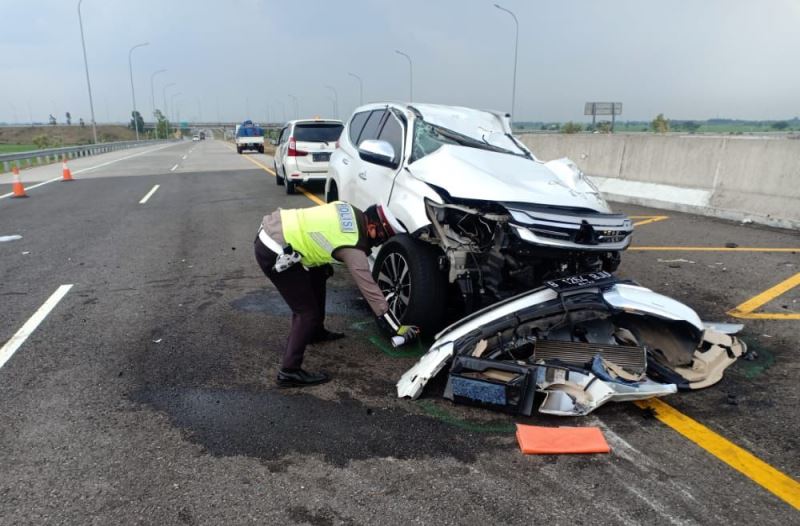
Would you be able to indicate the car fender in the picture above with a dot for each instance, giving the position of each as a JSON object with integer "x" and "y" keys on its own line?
{"x": 407, "y": 200}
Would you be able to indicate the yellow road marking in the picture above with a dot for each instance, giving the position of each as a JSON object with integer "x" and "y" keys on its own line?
{"x": 272, "y": 172}
{"x": 715, "y": 249}
{"x": 776, "y": 482}
{"x": 745, "y": 310}
{"x": 647, "y": 219}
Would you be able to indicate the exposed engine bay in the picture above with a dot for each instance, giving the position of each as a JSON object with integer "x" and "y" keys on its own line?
{"x": 499, "y": 249}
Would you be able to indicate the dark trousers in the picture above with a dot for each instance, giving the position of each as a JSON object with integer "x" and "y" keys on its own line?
{"x": 304, "y": 292}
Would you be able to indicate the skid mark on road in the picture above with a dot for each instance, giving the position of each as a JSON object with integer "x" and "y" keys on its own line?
{"x": 746, "y": 309}
{"x": 774, "y": 481}
{"x": 16, "y": 341}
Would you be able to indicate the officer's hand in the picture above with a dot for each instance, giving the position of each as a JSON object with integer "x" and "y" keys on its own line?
{"x": 409, "y": 332}
{"x": 405, "y": 334}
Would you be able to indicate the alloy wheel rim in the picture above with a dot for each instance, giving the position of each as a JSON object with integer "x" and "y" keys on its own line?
{"x": 394, "y": 280}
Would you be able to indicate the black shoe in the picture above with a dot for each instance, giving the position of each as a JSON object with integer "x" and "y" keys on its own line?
{"x": 300, "y": 378}
{"x": 326, "y": 336}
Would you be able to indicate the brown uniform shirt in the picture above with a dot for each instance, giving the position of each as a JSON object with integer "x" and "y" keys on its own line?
{"x": 354, "y": 259}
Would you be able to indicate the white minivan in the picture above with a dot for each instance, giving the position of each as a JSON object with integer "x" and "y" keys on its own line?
{"x": 303, "y": 151}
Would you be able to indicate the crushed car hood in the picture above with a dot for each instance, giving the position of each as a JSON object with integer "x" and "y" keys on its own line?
{"x": 471, "y": 173}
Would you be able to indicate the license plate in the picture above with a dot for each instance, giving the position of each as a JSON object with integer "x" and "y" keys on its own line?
{"x": 320, "y": 157}
{"x": 592, "y": 279}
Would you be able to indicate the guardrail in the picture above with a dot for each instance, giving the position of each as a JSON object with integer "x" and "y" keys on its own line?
{"x": 37, "y": 157}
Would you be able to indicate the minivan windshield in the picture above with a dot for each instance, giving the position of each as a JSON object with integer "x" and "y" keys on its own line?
{"x": 318, "y": 132}
{"x": 429, "y": 137}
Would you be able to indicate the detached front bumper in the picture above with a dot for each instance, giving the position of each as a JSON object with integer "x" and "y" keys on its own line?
{"x": 572, "y": 230}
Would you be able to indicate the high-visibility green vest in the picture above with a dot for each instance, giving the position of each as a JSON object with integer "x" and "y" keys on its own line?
{"x": 316, "y": 232}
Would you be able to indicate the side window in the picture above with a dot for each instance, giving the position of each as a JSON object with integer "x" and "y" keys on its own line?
{"x": 372, "y": 126}
{"x": 356, "y": 125}
{"x": 392, "y": 133}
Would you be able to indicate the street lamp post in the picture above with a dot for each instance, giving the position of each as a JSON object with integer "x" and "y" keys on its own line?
{"x": 86, "y": 65}
{"x": 153, "y": 97}
{"x": 410, "y": 76}
{"x": 296, "y": 106}
{"x": 166, "y": 111}
{"x": 360, "y": 88}
{"x": 283, "y": 110}
{"x": 133, "y": 93}
{"x": 335, "y": 102}
{"x": 516, "y": 47}
{"x": 172, "y": 105}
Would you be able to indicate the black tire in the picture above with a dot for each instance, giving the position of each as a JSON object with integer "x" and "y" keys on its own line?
{"x": 290, "y": 187}
{"x": 332, "y": 193}
{"x": 278, "y": 178}
{"x": 404, "y": 264}
{"x": 260, "y": 149}
{"x": 238, "y": 150}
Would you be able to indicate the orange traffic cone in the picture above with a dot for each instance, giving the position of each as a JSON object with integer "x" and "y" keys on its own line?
{"x": 66, "y": 175}
{"x": 17, "y": 188}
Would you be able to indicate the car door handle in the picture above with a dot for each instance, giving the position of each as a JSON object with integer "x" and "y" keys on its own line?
{"x": 363, "y": 175}
{"x": 345, "y": 161}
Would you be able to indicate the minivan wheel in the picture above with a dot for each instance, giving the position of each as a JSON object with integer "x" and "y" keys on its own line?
{"x": 290, "y": 187}
{"x": 278, "y": 178}
{"x": 408, "y": 274}
{"x": 332, "y": 194}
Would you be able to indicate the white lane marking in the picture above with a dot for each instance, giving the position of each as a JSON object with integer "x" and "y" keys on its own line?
{"x": 90, "y": 168}
{"x": 12, "y": 237}
{"x": 26, "y": 330}
{"x": 173, "y": 168}
{"x": 151, "y": 192}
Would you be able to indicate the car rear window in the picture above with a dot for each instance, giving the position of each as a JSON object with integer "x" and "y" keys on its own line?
{"x": 322, "y": 132}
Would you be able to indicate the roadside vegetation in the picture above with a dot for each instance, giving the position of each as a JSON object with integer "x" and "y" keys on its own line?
{"x": 689, "y": 126}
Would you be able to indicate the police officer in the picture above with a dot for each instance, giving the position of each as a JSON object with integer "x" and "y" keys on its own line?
{"x": 295, "y": 249}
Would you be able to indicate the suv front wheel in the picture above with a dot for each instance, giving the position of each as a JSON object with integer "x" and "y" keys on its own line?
{"x": 408, "y": 274}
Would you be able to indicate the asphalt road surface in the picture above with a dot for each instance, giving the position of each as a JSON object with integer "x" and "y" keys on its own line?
{"x": 145, "y": 395}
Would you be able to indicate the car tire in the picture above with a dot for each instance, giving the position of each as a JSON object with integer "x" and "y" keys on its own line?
{"x": 238, "y": 150}
{"x": 332, "y": 193}
{"x": 404, "y": 264}
{"x": 260, "y": 149}
{"x": 290, "y": 187}
{"x": 278, "y": 178}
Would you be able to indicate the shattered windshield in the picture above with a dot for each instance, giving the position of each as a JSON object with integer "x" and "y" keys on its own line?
{"x": 429, "y": 137}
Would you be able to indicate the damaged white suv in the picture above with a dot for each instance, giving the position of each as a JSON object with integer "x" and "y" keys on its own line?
{"x": 486, "y": 218}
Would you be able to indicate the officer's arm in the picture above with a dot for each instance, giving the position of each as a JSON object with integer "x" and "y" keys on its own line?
{"x": 358, "y": 266}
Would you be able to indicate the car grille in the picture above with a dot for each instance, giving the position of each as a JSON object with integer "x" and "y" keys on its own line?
{"x": 607, "y": 231}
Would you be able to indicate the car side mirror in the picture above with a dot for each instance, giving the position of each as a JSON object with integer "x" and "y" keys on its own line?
{"x": 378, "y": 152}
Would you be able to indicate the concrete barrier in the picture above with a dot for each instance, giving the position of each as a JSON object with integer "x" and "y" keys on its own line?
{"x": 739, "y": 178}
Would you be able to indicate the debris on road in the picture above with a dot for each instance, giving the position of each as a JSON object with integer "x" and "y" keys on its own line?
{"x": 537, "y": 440}
{"x": 12, "y": 237}
{"x": 580, "y": 346}
{"x": 679, "y": 260}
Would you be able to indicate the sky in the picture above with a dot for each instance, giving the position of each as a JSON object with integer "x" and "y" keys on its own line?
{"x": 239, "y": 59}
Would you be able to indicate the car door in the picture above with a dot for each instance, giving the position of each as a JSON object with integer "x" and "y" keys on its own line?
{"x": 358, "y": 188}
{"x": 377, "y": 181}
{"x": 342, "y": 168}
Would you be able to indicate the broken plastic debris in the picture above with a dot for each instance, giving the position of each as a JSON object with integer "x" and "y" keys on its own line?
{"x": 25, "y": 253}
{"x": 158, "y": 340}
{"x": 12, "y": 237}
{"x": 538, "y": 440}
